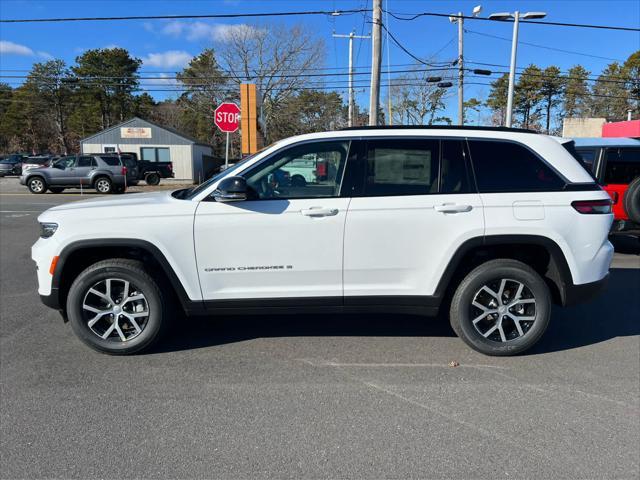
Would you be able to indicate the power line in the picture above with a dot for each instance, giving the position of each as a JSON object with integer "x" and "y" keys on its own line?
{"x": 181, "y": 17}
{"x": 413, "y": 16}
{"x": 572, "y": 52}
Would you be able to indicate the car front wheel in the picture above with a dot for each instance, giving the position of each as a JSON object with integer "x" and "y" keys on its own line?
{"x": 116, "y": 307}
{"x": 501, "y": 308}
{"x": 152, "y": 179}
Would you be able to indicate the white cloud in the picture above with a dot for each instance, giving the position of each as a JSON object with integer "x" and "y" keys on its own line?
{"x": 11, "y": 48}
{"x": 168, "y": 59}
{"x": 217, "y": 32}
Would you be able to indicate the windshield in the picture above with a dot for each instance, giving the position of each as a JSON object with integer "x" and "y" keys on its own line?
{"x": 203, "y": 186}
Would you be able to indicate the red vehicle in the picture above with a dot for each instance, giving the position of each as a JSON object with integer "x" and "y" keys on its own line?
{"x": 615, "y": 163}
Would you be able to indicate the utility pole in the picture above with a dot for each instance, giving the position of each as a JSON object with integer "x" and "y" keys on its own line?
{"x": 459, "y": 19}
{"x": 460, "y": 70}
{"x": 352, "y": 101}
{"x": 376, "y": 54}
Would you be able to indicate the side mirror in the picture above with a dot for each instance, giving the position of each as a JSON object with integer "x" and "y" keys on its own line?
{"x": 231, "y": 189}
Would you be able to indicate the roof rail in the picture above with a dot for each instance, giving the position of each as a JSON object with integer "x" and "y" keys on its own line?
{"x": 440, "y": 127}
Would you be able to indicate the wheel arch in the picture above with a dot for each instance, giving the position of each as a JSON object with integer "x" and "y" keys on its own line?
{"x": 541, "y": 253}
{"x": 77, "y": 256}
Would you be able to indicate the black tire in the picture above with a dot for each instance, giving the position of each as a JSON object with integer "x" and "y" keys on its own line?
{"x": 56, "y": 189}
{"x": 103, "y": 185}
{"x": 462, "y": 313}
{"x": 632, "y": 201}
{"x": 298, "y": 181}
{"x": 37, "y": 184}
{"x": 115, "y": 270}
{"x": 152, "y": 179}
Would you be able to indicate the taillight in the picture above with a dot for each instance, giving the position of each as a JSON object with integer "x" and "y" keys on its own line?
{"x": 170, "y": 167}
{"x": 614, "y": 197}
{"x": 592, "y": 206}
{"x": 124, "y": 170}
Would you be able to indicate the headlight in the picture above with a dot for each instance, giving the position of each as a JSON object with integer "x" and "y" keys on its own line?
{"x": 47, "y": 229}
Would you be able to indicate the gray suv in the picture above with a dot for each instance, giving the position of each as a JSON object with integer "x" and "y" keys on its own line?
{"x": 105, "y": 173}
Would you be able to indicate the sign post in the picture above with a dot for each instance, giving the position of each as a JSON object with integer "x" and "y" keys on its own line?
{"x": 227, "y": 119}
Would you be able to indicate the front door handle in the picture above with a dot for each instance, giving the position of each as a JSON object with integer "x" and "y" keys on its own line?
{"x": 452, "y": 208}
{"x": 319, "y": 212}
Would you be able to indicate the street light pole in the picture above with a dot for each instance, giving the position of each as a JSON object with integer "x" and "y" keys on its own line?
{"x": 512, "y": 68}
{"x": 516, "y": 16}
{"x": 460, "y": 70}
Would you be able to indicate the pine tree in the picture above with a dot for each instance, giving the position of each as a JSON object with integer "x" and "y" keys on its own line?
{"x": 576, "y": 93}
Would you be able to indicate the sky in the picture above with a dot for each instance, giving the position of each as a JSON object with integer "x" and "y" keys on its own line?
{"x": 168, "y": 45}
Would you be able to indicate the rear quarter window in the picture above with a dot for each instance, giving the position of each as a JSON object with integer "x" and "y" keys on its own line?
{"x": 111, "y": 161}
{"x": 622, "y": 165}
{"x": 510, "y": 167}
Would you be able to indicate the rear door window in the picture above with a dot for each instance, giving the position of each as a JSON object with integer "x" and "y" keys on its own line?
{"x": 397, "y": 167}
{"x": 86, "y": 162}
{"x": 622, "y": 165}
{"x": 510, "y": 167}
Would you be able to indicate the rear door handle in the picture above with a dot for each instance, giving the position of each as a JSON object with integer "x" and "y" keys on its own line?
{"x": 319, "y": 212}
{"x": 452, "y": 208}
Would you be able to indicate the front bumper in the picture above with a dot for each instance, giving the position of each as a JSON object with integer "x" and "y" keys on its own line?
{"x": 575, "y": 294}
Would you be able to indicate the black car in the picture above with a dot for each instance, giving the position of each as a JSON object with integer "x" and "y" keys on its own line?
{"x": 11, "y": 165}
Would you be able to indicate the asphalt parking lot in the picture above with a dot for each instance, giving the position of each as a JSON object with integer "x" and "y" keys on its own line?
{"x": 367, "y": 396}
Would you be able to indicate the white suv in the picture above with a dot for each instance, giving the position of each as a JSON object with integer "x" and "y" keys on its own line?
{"x": 493, "y": 224}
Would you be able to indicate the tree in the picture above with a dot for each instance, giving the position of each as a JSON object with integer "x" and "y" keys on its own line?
{"x": 6, "y": 97}
{"x": 206, "y": 86}
{"x": 109, "y": 76}
{"x": 416, "y": 101}
{"x": 497, "y": 100}
{"x": 609, "y": 96}
{"x": 474, "y": 105}
{"x": 528, "y": 96}
{"x": 51, "y": 80}
{"x": 551, "y": 88}
{"x": 576, "y": 92}
{"x": 275, "y": 58}
{"x": 307, "y": 112}
{"x": 631, "y": 69}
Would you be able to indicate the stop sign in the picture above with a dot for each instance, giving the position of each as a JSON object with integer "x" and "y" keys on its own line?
{"x": 227, "y": 117}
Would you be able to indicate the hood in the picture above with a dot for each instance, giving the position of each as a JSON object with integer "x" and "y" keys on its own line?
{"x": 121, "y": 201}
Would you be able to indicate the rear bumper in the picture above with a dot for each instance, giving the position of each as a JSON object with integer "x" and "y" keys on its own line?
{"x": 575, "y": 294}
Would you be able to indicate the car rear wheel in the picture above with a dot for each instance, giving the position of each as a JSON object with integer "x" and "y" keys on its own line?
{"x": 501, "y": 308}
{"x": 632, "y": 200}
{"x": 103, "y": 185}
{"x": 116, "y": 307}
{"x": 37, "y": 185}
{"x": 152, "y": 179}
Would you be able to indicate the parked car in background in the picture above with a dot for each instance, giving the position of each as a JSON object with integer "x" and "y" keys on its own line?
{"x": 37, "y": 162}
{"x": 615, "y": 164}
{"x": 11, "y": 164}
{"x": 150, "y": 172}
{"x": 105, "y": 173}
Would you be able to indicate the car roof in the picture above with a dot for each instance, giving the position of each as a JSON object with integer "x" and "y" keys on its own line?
{"x": 607, "y": 142}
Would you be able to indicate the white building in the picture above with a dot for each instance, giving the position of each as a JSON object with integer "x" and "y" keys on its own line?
{"x": 154, "y": 143}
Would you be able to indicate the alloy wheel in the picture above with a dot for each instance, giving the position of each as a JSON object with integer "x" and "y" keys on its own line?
{"x": 103, "y": 186}
{"x": 115, "y": 309}
{"x": 503, "y": 310}
{"x": 36, "y": 185}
